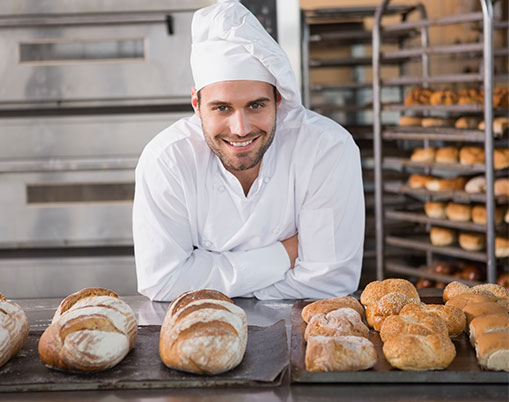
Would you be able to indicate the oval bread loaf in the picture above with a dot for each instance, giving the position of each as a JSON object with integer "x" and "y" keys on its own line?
{"x": 340, "y": 322}
{"x": 13, "y": 329}
{"x": 416, "y": 323}
{"x": 203, "y": 332}
{"x": 327, "y": 305}
{"x": 377, "y": 289}
{"x": 453, "y": 316}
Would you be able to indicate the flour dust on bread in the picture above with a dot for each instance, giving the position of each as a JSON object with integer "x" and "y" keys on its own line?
{"x": 13, "y": 329}
{"x": 92, "y": 330}
{"x": 203, "y": 332}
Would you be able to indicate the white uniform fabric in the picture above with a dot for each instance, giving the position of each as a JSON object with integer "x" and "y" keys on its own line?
{"x": 194, "y": 227}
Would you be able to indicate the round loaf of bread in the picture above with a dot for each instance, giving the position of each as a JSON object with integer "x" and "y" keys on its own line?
{"x": 435, "y": 209}
{"x": 471, "y": 155}
{"x": 476, "y": 185}
{"x": 406, "y": 121}
{"x": 472, "y": 241}
{"x": 418, "y": 180}
{"x": 442, "y": 236}
{"x": 13, "y": 329}
{"x": 458, "y": 212}
{"x": 488, "y": 323}
{"x": 339, "y": 353}
{"x": 426, "y": 155}
{"x": 387, "y": 305}
{"x": 92, "y": 330}
{"x": 454, "y": 289}
{"x": 453, "y": 316}
{"x": 501, "y": 247}
{"x": 492, "y": 350}
{"x": 447, "y": 155}
{"x": 419, "y": 352}
{"x": 340, "y": 322}
{"x": 327, "y": 305}
{"x": 501, "y": 187}
{"x": 479, "y": 215}
{"x": 375, "y": 290}
{"x": 414, "y": 323}
{"x": 203, "y": 332}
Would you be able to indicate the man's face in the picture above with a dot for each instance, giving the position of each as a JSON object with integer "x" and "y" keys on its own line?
{"x": 238, "y": 120}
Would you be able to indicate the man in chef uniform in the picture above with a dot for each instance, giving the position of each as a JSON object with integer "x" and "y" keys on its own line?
{"x": 253, "y": 195}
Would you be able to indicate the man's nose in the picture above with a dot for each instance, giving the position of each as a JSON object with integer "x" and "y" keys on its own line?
{"x": 239, "y": 123}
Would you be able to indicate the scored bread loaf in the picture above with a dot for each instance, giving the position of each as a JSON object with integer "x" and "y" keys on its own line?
{"x": 203, "y": 332}
{"x": 327, "y": 305}
{"x": 92, "y": 330}
{"x": 13, "y": 329}
{"x": 377, "y": 289}
{"x": 387, "y": 305}
{"x": 340, "y": 322}
{"x": 453, "y": 316}
{"x": 491, "y": 290}
{"x": 415, "y": 323}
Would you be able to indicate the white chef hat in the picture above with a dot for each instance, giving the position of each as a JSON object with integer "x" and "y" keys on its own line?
{"x": 229, "y": 43}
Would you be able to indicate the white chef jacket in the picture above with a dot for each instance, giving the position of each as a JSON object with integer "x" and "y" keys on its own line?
{"x": 195, "y": 228}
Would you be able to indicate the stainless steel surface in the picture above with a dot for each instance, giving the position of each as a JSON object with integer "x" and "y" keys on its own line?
{"x": 262, "y": 313}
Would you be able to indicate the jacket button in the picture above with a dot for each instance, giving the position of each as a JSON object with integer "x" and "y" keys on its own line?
{"x": 208, "y": 243}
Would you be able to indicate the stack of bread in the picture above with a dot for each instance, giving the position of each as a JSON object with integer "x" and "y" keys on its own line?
{"x": 203, "y": 332}
{"x": 92, "y": 330}
{"x": 447, "y": 96}
{"x": 337, "y": 338}
{"x": 486, "y": 310}
{"x": 13, "y": 329}
{"x": 467, "y": 155}
{"x": 415, "y": 336}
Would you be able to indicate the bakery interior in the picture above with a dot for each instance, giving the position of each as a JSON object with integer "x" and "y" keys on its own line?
{"x": 408, "y": 79}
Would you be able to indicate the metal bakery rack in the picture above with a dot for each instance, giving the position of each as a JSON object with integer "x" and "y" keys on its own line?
{"x": 385, "y": 134}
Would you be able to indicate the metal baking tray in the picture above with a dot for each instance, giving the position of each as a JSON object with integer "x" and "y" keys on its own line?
{"x": 264, "y": 365}
{"x": 463, "y": 369}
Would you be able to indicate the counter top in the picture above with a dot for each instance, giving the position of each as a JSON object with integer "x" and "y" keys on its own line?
{"x": 259, "y": 313}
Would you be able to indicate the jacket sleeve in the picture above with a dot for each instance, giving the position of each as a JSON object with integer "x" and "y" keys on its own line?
{"x": 330, "y": 230}
{"x": 167, "y": 261}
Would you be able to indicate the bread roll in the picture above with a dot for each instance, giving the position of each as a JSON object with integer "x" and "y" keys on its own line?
{"x": 203, "y": 332}
{"x": 328, "y": 305}
{"x": 442, "y": 236}
{"x": 419, "y": 352}
{"x": 453, "y": 317}
{"x": 443, "y": 97}
{"x": 435, "y": 122}
{"x": 492, "y": 350}
{"x": 340, "y": 322}
{"x": 406, "y": 121}
{"x": 471, "y": 155}
{"x": 501, "y": 187}
{"x": 375, "y": 290}
{"x": 437, "y": 184}
{"x": 492, "y": 290}
{"x": 472, "y": 241}
{"x": 418, "y": 180}
{"x": 500, "y": 97}
{"x": 458, "y": 212}
{"x": 92, "y": 330}
{"x": 488, "y": 323}
{"x": 476, "y": 185}
{"x": 479, "y": 215}
{"x": 473, "y": 310}
{"x": 435, "y": 210}
{"x": 13, "y": 329}
{"x": 500, "y": 125}
{"x": 447, "y": 155}
{"x": 501, "y": 247}
{"x": 387, "y": 305}
{"x": 470, "y": 96}
{"x": 461, "y": 301}
{"x": 467, "y": 122}
{"x": 412, "y": 323}
{"x": 339, "y": 353}
{"x": 496, "y": 290}
{"x": 500, "y": 158}
{"x": 418, "y": 96}
{"x": 426, "y": 155}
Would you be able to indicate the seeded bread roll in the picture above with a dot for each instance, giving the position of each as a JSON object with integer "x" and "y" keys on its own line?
{"x": 442, "y": 236}
{"x": 423, "y": 155}
{"x": 488, "y": 323}
{"x": 387, "y": 305}
{"x": 453, "y": 316}
{"x": 472, "y": 241}
{"x": 414, "y": 323}
{"x": 341, "y": 322}
{"x": 492, "y": 350}
{"x": 447, "y": 155}
{"x": 435, "y": 209}
{"x": 339, "y": 353}
{"x": 375, "y": 290}
{"x": 458, "y": 212}
{"x": 328, "y": 305}
{"x": 419, "y": 352}
{"x": 92, "y": 330}
{"x": 491, "y": 290}
{"x": 13, "y": 329}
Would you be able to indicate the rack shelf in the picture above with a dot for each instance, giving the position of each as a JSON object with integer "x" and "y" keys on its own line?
{"x": 453, "y": 167}
{"x": 433, "y": 133}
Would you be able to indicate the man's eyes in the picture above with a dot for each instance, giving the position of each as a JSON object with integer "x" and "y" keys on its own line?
{"x": 256, "y": 106}
{"x": 222, "y": 108}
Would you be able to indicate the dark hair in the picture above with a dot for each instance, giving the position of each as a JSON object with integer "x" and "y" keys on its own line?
{"x": 198, "y": 94}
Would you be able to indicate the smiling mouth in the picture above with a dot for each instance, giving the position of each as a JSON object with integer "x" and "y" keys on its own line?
{"x": 240, "y": 144}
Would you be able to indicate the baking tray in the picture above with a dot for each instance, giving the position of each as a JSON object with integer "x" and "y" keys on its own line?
{"x": 264, "y": 364}
{"x": 463, "y": 369}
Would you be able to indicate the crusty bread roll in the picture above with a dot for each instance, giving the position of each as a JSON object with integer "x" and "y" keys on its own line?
{"x": 491, "y": 290}
{"x": 435, "y": 122}
{"x": 435, "y": 209}
{"x": 467, "y": 122}
{"x": 501, "y": 187}
{"x": 476, "y": 185}
{"x": 438, "y": 184}
{"x": 340, "y": 322}
{"x": 474, "y": 310}
{"x": 463, "y": 300}
{"x": 479, "y": 215}
{"x": 92, "y": 330}
{"x": 13, "y": 329}
{"x": 447, "y": 155}
{"x": 418, "y": 180}
{"x": 387, "y": 305}
{"x": 443, "y": 97}
{"x": 375, "y": 290}
{"x": 419, "y": 352}
{"x": 472, "y": 241}
{"x": 458, "y": 212}
{"x": 470, "y": 96}
{"x": 407, "y": 121}
{"x": 203, "y": 332}
{"x": 328, "y": 305}
{"x": 498, "y": 291}
{"x": 414, "y": 323}
{"x": 423, "y": 155}
{"x": 501, "y": 247}
{"x": 418, "y": 96}
{"x": 471, "y": 155}
{"x": 453, "y": 316}
{"x": 492, "y": 350}
{"x": 488, "y": 323}
{"x": 442, "y": 236}
{"x": 500, "y": 158}
{"x": 339, "y": 353}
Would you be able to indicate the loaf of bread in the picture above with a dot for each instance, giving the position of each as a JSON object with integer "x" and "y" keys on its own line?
{"x": 435, "y": 122}
{"x": 418, "y": 96}
{"x": 474, "y": 310}
{"x": 501, "y": 187}
{"x": 472, "y": 241}
{"x": 470, "y": 96}
{"x": 426, "y": 155}
{"x": 490, "y": 290}
{"x": 414, "y": 323}
{"x": 443, "y": 97}
{"x": 13, "y": 329}
{"x": 479, "y": 215}
{"x": 467, "y": 122}
{"x": 453, "y": 317}
{"x": 418, "y": 180}
{"x": 387, "y": 305}
{"x": 341, "y": 322}
{"x": 447, "y": 155}
{"x": 500, "y": 158}
{"x": 463, "y": 300}
{"x": 435, "y": 209}
{"x": 92, "y": 330}
{"x": 339, "y": 353}
{"x": 492, "y": 350}
{"x": 438, "y": 184}
{"x": 406, "y": 121}
{"x": 476, "y": 185}
{"x": 442, "y": 236}
{"x": 471, "y": 155}
{"x": 203, "y": 332}
{"x": 327, "y": 305}
{"x": 419, "y": 352}
{"x": 501, "y": 247}
{"x": 375, "y": 290}
{"x": 500, "y": 97}
{"x": 458, "y": 212}
{"x": 488, "y": 323}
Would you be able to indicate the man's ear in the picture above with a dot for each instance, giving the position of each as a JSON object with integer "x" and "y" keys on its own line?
{"x": 194, "y": 100}
{"x": 278, "y": 99}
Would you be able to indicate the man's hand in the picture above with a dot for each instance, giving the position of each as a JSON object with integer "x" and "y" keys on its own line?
{"x": 292, "y": 248}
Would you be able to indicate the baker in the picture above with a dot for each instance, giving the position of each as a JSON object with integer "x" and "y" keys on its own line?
{"x": 253, "y": 195}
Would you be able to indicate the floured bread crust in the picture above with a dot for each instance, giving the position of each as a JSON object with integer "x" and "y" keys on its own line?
{"x": 13, "y": 329}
